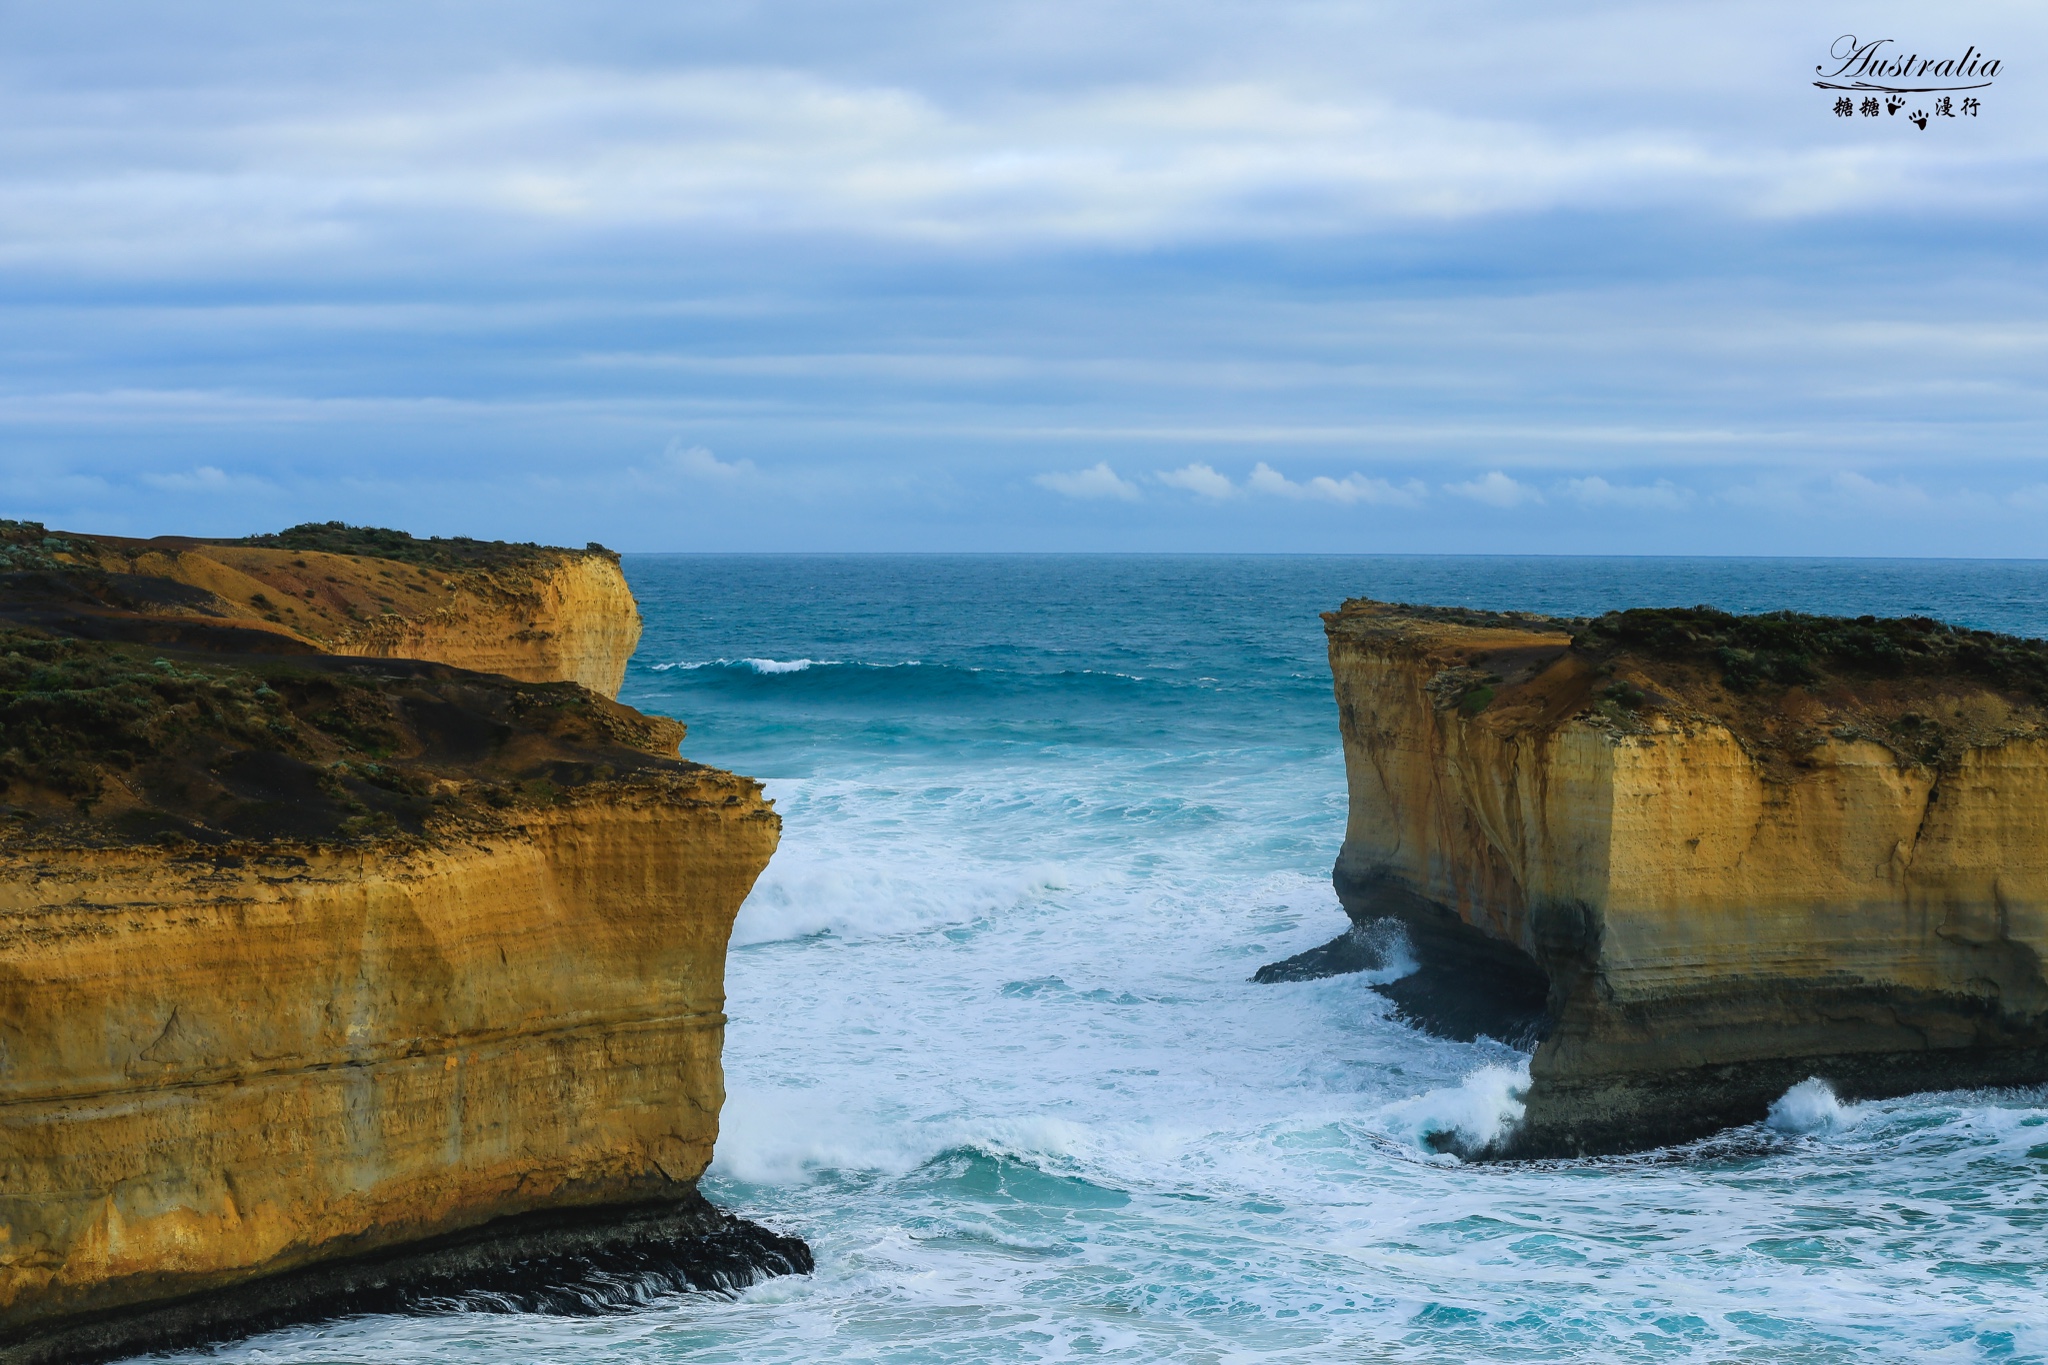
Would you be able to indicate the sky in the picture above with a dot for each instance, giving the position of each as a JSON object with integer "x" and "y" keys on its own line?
{"x": 1118, "y": 275}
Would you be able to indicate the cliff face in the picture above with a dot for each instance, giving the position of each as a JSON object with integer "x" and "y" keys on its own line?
{"x": 229, "y": 1062}
{"x": 527, "y": 611}
{"x": 1701, "y": 873}
{"x": 573, "y": 619}
{"x": 326, "y": 977}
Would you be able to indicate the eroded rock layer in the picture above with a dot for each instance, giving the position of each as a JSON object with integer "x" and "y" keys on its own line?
{"x": 1703, "y": 857}
{"x": 530, "y": 612}
{"x": 325, "y": 974}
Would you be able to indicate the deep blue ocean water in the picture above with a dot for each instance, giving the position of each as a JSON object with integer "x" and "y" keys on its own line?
{"x": 994, "y": 1052}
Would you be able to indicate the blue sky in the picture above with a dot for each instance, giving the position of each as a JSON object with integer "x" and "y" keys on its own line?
{"x": 1099, "y": 276}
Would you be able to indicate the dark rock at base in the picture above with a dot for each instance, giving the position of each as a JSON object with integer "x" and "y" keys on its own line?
{"x": 1465, "y": 985}
{"x": 573, "y": 1262}
{"x": 1436, "y": 999}
{"x": 1351, "y": 951}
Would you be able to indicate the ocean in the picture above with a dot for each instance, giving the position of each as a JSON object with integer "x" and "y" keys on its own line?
{"x": 994, "y": 1050}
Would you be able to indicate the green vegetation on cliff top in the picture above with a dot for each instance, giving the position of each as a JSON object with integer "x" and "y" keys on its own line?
{"x": 31, "y": 545}
{"x": 1796, "y": 650}
{"x": 1786, "y": 648}
{"x": 378, "y": 542}
{"x": 110, "y": 743}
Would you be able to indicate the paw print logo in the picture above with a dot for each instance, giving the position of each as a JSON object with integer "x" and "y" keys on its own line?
{"x": 1918, "y": 118}
{"x": 1892, "y": 104}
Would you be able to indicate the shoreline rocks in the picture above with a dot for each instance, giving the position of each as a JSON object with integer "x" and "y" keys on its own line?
{"x": 568, "y": 1263}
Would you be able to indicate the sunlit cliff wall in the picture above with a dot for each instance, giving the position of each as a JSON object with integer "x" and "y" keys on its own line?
{"x": 347, "y": 946}
{"x": 1719, "y": 906}
{"x": 224, "y": 1063}
{"x": 534, "y": 613}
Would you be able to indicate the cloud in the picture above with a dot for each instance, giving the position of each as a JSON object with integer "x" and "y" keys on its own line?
{"x": 1098, "y": 481}
{"x": 679, "y": 466}
{"x": 1495, "y": 490}
{"x": 698, "y": 463}
{"x": 1352, "y": 488}
{"x": 384, "y": 256}
{"x": 1847, "y": 494}
{"x": 1662, "y": 495}
{"x": 1199, "y": 479}
{"x": 166, "y": 143}
{"x": 1862, "y": 493}
{"x": 207, "y": 478}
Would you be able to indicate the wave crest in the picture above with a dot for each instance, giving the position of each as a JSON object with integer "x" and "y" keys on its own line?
{"x": 1466, "y": 1118}
{"x": 1810, "y": 1107}
{"x": 764, "y": 667}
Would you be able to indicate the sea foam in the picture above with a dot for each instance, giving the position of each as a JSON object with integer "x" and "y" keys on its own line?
{"x": 765, "y": 667}
{"x": 1464, "y": 1118}
{"x": 994, "y": 1053}
{"x": 1810, "y": 1107}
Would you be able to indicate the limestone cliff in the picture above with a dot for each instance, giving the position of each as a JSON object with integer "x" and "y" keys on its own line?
{"x": 530, "y": 612}
{"x": 1703, "y": 857}
{"x": 315, "y": 964}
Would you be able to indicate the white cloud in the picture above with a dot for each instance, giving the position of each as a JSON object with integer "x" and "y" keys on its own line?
{"x": 1352, "y": 488}
{"x": 698, "y": 463}
{"x": 1375, "y": 492}
{"x": 1098, "y": 481}
{"x": 949, "y": 138}
{"x": 1199, "y": 479}
{"x": 207, "y": 478}
{"x": 679, "y": 466}
{"x": 1266, "y": 479}
{"x": 1846, "y": 493}
{"x": 1495, "y": 490}
{"x": 2032, "y": 498}
{"x": 1663, "y": 495}
{"x": 1867, "y": 494}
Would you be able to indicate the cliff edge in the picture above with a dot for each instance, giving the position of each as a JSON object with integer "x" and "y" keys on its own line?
{"x": 531, "y": 612}
{"x": 1697, "y": 858}
{"x": 334, "y": 981}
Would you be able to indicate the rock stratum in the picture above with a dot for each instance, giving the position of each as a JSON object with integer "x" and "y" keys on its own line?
{"x": 333, "y": 981}
{"x": 1698, "y": 858}
{"x": 531, "y": 612}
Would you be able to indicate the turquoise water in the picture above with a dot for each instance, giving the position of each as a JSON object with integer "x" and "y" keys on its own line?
{"x": 993, "y": 1050}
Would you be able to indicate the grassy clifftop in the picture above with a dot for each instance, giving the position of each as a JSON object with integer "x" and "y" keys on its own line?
{"x": 189, "y": 691}
{"x": 1781, "y": 681}
{"x": 377, "y": 542}
{"x": 112, "y": 743}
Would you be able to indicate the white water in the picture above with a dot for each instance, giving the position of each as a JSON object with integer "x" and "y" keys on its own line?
{"x": 994, "y": 1053}
{"x": 1023, "y": 1102}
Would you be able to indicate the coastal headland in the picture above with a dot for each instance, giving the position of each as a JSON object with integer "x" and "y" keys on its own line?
{"x": 531, "y": 612}
{"x": 1697, "y": 858}
{"x": 338, "y": 976}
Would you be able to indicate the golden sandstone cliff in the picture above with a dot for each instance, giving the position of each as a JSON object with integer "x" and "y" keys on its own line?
{"x": 1703, "y": 857}
{"x": 530, "y": 612}
{"x": 332, "y": 980}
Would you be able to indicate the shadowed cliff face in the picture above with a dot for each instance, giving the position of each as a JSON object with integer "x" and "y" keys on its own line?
{"x": 1703, "y": 857}
{"x": 309, "y": 959}
{"x": 527, "y": 611}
